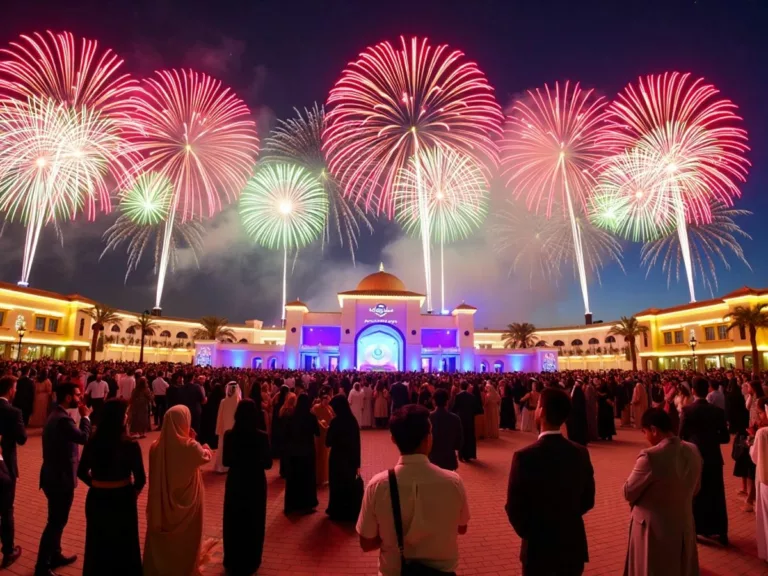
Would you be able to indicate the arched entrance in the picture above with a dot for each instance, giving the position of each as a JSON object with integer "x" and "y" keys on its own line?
{"x": 379, "y": 347}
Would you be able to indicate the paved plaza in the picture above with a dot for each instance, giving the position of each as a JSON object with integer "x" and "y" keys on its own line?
{"x": 314, "y": 545}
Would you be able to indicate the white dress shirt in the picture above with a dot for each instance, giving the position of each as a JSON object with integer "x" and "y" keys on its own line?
{"x": 433, "y": 504}
{"x": 125, "y": 387}
{"x": 159, "y": 386}
{"x": 97, "y": 390}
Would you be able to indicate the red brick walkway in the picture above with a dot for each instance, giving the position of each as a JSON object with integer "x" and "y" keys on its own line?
{"x": 312, "y": 545}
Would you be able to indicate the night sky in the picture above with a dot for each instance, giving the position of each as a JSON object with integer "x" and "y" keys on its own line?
{"x": 283, "y": 54}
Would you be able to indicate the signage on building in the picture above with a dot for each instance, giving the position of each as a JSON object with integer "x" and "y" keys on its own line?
{"x": 203, "y": 356}
{"x": 381, "y": 310}
{"x": 549, "y": 363}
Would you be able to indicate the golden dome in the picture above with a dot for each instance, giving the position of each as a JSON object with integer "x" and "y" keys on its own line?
{"x": 381, "y": 282}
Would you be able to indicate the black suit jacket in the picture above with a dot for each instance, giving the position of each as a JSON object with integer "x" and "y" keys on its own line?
{"x": 551, "y": 486}
{"x": 446, "y": 439}
{"x": 704, "y": 424}
{"x": 13, "y": 433}
{"x": 61, "y": 454}
{"x": 400, "y": 395}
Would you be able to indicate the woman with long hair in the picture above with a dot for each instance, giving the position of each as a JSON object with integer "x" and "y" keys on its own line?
{"x": 343, "y": 439}
{"x": 477, "y": 392}
{"x": 141, "y": 398}
{"x": 176, "y": 498}
{"x": 246, "y": 453}
{"x": 324, "y": 414}
{"x": 43, "y": 393}
{"x": 492, "y": 408}
{"x": 301, "y": 427}
{"x": 112, "y": 468}
{"x": 507, "y": 417}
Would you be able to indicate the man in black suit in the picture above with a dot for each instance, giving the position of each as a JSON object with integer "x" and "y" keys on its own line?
{"x": 704, "y": 424}
{"x": 13, "y": 432}
{"x": 25, "y": 394}
{"x": 400, "y": 395}
{"x": 551, "y": 486}
{"x": 58, "y": 475}
{"x": 446, "y": 433}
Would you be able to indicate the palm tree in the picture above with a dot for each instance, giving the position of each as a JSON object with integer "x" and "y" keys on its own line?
{"x": 100, "y": 315}
{"x": 520, "y": 335}
{"x": 145, "y": 323}
{"x": 630, "y": 329}
{"x": 750, "y": 318}
{"x": 213, "y": 328}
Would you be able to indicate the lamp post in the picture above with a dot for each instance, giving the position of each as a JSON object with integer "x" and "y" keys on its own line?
{"x": 692, "y": 343}
{"x": 21, "y": 329}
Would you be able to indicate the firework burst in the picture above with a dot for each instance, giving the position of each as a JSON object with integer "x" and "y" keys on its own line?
{"x": 299, "y": 141}
{"x": 709, "y": 244}
{"x": 199, "y": 135}
{"x": 450, "y": 189}
{"x": 552, "y": 140}
{"x": 148, "y": 201}
{"x": 393, "y": 102}
{"x": 283, "y": 206}
{"x": 698, "y": 143}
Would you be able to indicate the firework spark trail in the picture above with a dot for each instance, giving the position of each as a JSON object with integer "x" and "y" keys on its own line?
{"x": 199, "y": 135}
{"x": 696, "y": 138}
{"x": 392, "y": 102}
{"x": 450, "y": 189}
{"x": 283, "y": 206}
{"x": 64, "y": 107}
{"x": 552, "y": 140}
{"x": 299, "y": 140}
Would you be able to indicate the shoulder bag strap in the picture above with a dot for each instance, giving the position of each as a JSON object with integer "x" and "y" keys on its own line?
{"x": 394, "y": 495}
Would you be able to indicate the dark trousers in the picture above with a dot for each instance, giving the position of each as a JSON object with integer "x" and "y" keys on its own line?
{"x": 59, "y": 504}
{"x": 7, "y": 496}
{"x": 160, "y": 407}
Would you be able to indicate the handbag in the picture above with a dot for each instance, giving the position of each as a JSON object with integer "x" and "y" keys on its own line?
{"x": 412, "y": 568}
{"x": 740, "y": 446}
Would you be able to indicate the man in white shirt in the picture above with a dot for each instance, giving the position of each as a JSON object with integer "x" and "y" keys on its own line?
{"x": 126, "y": 385}
{"x": 96, "y": 394}
{"x": 160, "y": 389}
{"x": 433, "y": 502}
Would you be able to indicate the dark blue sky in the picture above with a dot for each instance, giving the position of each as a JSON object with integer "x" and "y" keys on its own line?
{"x": 281, "y": 54}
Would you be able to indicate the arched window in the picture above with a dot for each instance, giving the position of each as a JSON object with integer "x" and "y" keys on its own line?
{"x": 577, "y": 342}
{"x": 243, "y": 341}
{"x": 483, "y": 367}
{"x": 181, "y": 335}
{"x": 498, "y": 366}
{"x": 558, "y": 343}
{"x": 149, "y": 332}
{"x": 272, "y": 363}
{"x": 610, "y": 340}
{"x": 115, "y": 328}
{"x": 543, "y": 343}
{"x": 593, "y": 341}
{"x": 165, "y": 334}
{"x": 229, "y": 341}
{"x": 130, "y": 330}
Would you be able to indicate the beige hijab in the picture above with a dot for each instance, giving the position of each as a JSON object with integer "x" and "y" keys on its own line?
{"x": 175, "y": 500}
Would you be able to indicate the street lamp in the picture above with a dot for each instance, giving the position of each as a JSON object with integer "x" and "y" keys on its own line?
{"x": 21, "y": 329}
{"x": 692, "y": 343}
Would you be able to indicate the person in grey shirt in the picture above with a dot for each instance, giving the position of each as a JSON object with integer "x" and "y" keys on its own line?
{"x": 716, "y": 396}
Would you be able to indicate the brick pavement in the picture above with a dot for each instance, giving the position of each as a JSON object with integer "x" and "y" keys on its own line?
{"x": 312, "y": 545}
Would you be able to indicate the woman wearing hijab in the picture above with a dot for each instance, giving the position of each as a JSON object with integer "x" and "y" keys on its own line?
{"x": 492, "y": 406}
{"x": 343, "y": 439}
{"x": 175, "y": 500}
{"x": 507, "y": 417}
{"x": 139, "y": 412}
{"x": 301, "y": 427}
{"x": 477, "y": 392}
{"x": 606, "y": 423}
{"x": 112, "y": 468}
{"x": 324, "y": 414}
{"x": 246, "y": 453}
{"x": 225, "y": 420}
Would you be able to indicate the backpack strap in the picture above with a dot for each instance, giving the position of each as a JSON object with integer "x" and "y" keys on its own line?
{"x": 394, "y": 495}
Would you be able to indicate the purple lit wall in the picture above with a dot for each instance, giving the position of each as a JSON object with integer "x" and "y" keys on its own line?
{"x": 434, "y": 337}
{"x": 325, "y": 335}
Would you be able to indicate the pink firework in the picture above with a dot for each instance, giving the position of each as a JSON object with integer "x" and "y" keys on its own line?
{"x": 696, "y": 135}
{"x": 391, "y": 102}
{"x": 199, "y": 135}
{"x": 552, "y": 140}
{"x": 71, "y": 72}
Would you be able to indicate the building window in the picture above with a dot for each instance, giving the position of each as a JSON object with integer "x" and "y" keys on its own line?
{"x": 558, "y": 343}
{"x": 722, "y": 332}
{"x": 645, "y": 339}
{"x": 593, "y": 341}
{"x": 40, "y": 323}
{"x": 709, "y": 333}
{"x": 165, "y": 334}
{"x": 130, "y": 330}
{"x": 270, "y": 342}
{"x": 610, "y": 340}
{"x": 742, "y": 332}
{"x": 679, "y": 337}
{"x": 82, "y": 326}
{"x": 115, "y": 328}
{"x": 577, "y": 342}
{"x": 181, "y": 335}
{"x": 667, "y": 337}
{"x": 2, "y": 317}
{"x": 53, "y": 325}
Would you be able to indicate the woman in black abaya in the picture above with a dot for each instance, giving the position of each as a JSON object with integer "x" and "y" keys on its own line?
{"x": 246, "y": 454}
{"x": 507, "y": 415}
{"x": 343, "y": 439}
{"x": 299, "y": 458}
{"x": 606, "y": 425}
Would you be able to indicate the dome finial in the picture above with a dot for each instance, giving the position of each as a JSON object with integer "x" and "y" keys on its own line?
{"x": 381, "y": 266}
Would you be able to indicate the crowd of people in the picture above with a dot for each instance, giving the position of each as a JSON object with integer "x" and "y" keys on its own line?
{"x": 308, "y": 423}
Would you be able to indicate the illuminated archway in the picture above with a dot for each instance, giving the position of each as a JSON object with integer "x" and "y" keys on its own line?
{"x": 379, "y": 347}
